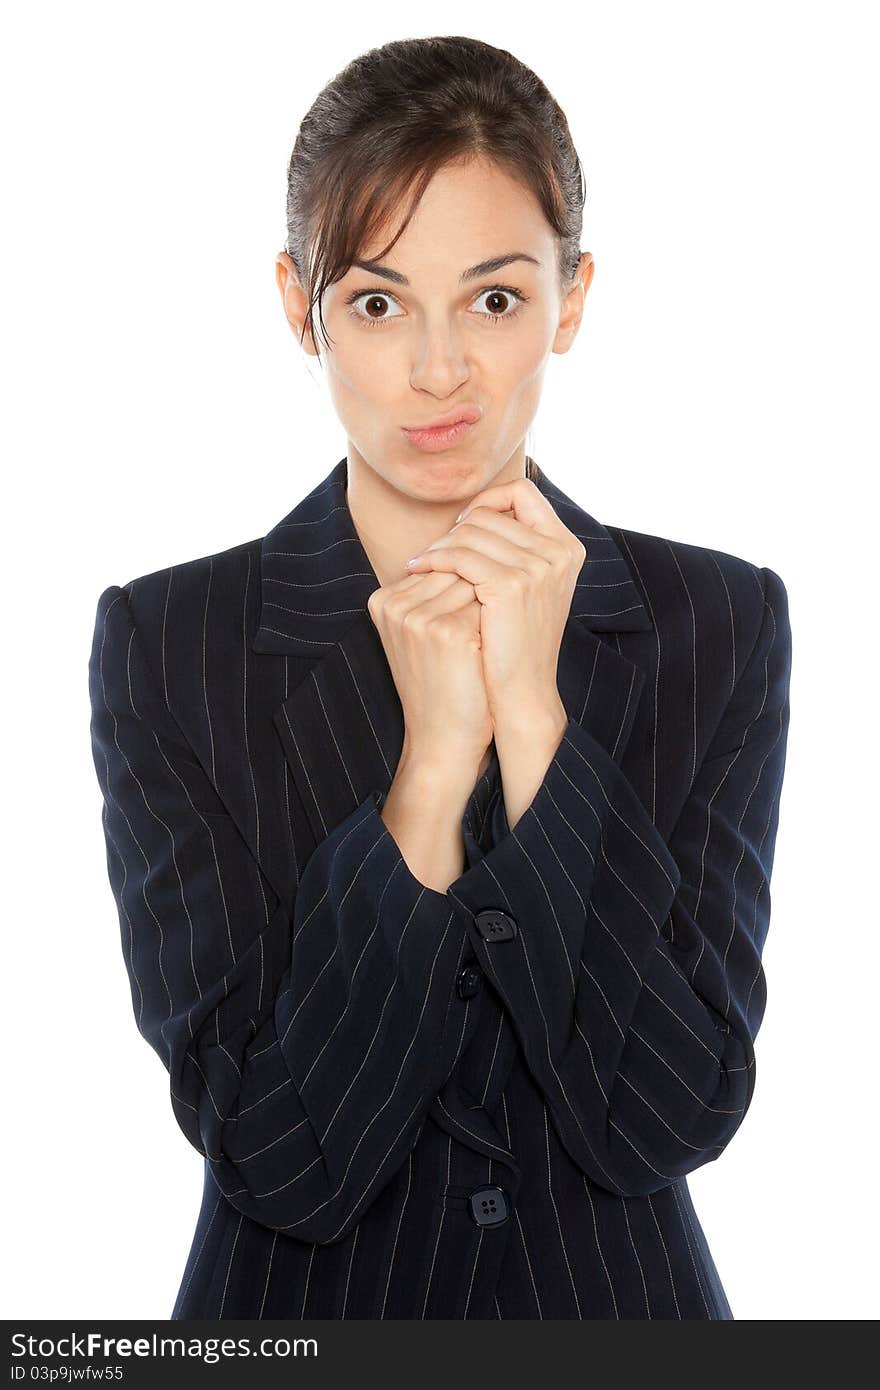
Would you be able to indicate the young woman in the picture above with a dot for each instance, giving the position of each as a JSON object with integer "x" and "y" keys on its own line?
{"x": 443, "y": 881}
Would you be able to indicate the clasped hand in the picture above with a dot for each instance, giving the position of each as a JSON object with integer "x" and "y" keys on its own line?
{"x": 522, "y": 563}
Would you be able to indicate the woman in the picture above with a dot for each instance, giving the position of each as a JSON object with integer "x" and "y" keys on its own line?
{"x": 443, "y": 882}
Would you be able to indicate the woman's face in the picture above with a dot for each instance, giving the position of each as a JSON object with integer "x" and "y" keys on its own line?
{"x": 418, "y": 341}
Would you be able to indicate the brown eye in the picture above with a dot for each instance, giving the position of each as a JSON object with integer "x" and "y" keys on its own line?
{"x": 503, "y": 302}
{"x": 496, "y": 302}
{"x": 376, "y": 307}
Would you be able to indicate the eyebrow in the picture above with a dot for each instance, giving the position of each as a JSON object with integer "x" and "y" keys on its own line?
{"x": 473, "y": 272}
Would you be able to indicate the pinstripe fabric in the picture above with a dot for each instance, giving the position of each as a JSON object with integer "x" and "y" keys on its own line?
{"x": 302, "y": 987}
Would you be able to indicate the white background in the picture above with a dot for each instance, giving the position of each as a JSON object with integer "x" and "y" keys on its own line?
{"x": 722, "y": 392}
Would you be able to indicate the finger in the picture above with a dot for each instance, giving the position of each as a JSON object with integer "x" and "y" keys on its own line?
{"x": 394, "y": 594}
{"x": 456, "y": 599}
{"x": 478, "y": 567}
{"x": 496, "y": 546}
{"x": 397, "y": 585}
{"x": 451, "y": 598}
{"x": 431, "y": 594}
{"x": 506, "y": 526}
{"x": 520, "y": 496}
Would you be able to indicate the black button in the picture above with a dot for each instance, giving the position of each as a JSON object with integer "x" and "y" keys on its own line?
{"x": 469, "y": 982}
{"x": 489, "y": 1206}
{"x": 494, "y": 925}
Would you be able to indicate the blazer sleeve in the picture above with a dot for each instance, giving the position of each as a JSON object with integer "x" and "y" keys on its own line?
{"x": 303, "y": 1049}
{"x": 634, "y": 979}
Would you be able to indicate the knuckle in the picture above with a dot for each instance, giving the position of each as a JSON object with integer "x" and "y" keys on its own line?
{"x": 444, "y": 626}
{"x": 519, "y": 580}
{"x": 408, "y": 620}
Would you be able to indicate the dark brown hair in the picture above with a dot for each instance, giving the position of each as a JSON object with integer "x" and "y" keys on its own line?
{"x": 395, "y": 115}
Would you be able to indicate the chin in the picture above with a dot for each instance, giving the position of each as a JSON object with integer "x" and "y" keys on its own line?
{"x": 441, "y": 475}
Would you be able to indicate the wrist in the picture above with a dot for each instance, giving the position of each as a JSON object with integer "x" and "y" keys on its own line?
{"x": 438, "y": 772}
{"x": 522, "y": 723}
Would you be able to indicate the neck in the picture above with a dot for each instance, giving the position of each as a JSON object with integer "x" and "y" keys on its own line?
{"x": 396, "y": 517}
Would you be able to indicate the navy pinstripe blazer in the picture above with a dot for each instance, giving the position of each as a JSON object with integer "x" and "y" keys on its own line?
{"x": 482, "y": 1103}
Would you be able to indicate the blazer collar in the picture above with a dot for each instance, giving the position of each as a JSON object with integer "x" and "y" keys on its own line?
{"x": 341, "y": 723}
{"x": 315, "y": 575}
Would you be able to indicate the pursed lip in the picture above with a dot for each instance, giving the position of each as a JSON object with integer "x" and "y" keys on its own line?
{"x": 470, "y": 413}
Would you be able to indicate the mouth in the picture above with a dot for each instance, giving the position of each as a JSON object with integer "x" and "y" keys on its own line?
{"x": 447, "y": 430}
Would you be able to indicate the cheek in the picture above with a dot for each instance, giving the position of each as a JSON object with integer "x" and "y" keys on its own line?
{"x": 355, "y": 374}
{"x": 526, "y": 374}
{"x": 522, "y": 365}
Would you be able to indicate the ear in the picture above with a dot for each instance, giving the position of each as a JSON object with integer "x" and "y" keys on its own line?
{"x": 572, "y": 308}
{"x": 295, "y": 301}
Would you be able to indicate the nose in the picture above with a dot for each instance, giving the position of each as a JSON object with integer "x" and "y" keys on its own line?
{"x": 439, "y": 366}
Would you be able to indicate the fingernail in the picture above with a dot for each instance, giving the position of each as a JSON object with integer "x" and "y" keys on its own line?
{"x": 413, "y": 560}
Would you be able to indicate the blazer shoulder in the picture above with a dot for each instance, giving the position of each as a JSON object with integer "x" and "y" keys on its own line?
{"x": 186, "y": 584}
{"x": 680, "y": 579}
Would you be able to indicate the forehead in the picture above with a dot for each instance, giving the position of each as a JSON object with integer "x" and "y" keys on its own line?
{"x": 469, "y": 213}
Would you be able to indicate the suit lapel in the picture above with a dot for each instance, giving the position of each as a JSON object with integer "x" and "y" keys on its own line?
{"x": 341, "y": 725}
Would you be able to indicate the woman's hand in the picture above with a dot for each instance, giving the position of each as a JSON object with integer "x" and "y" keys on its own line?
{"x": 523, "y": 564}
{"x": 430, "y": 628}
